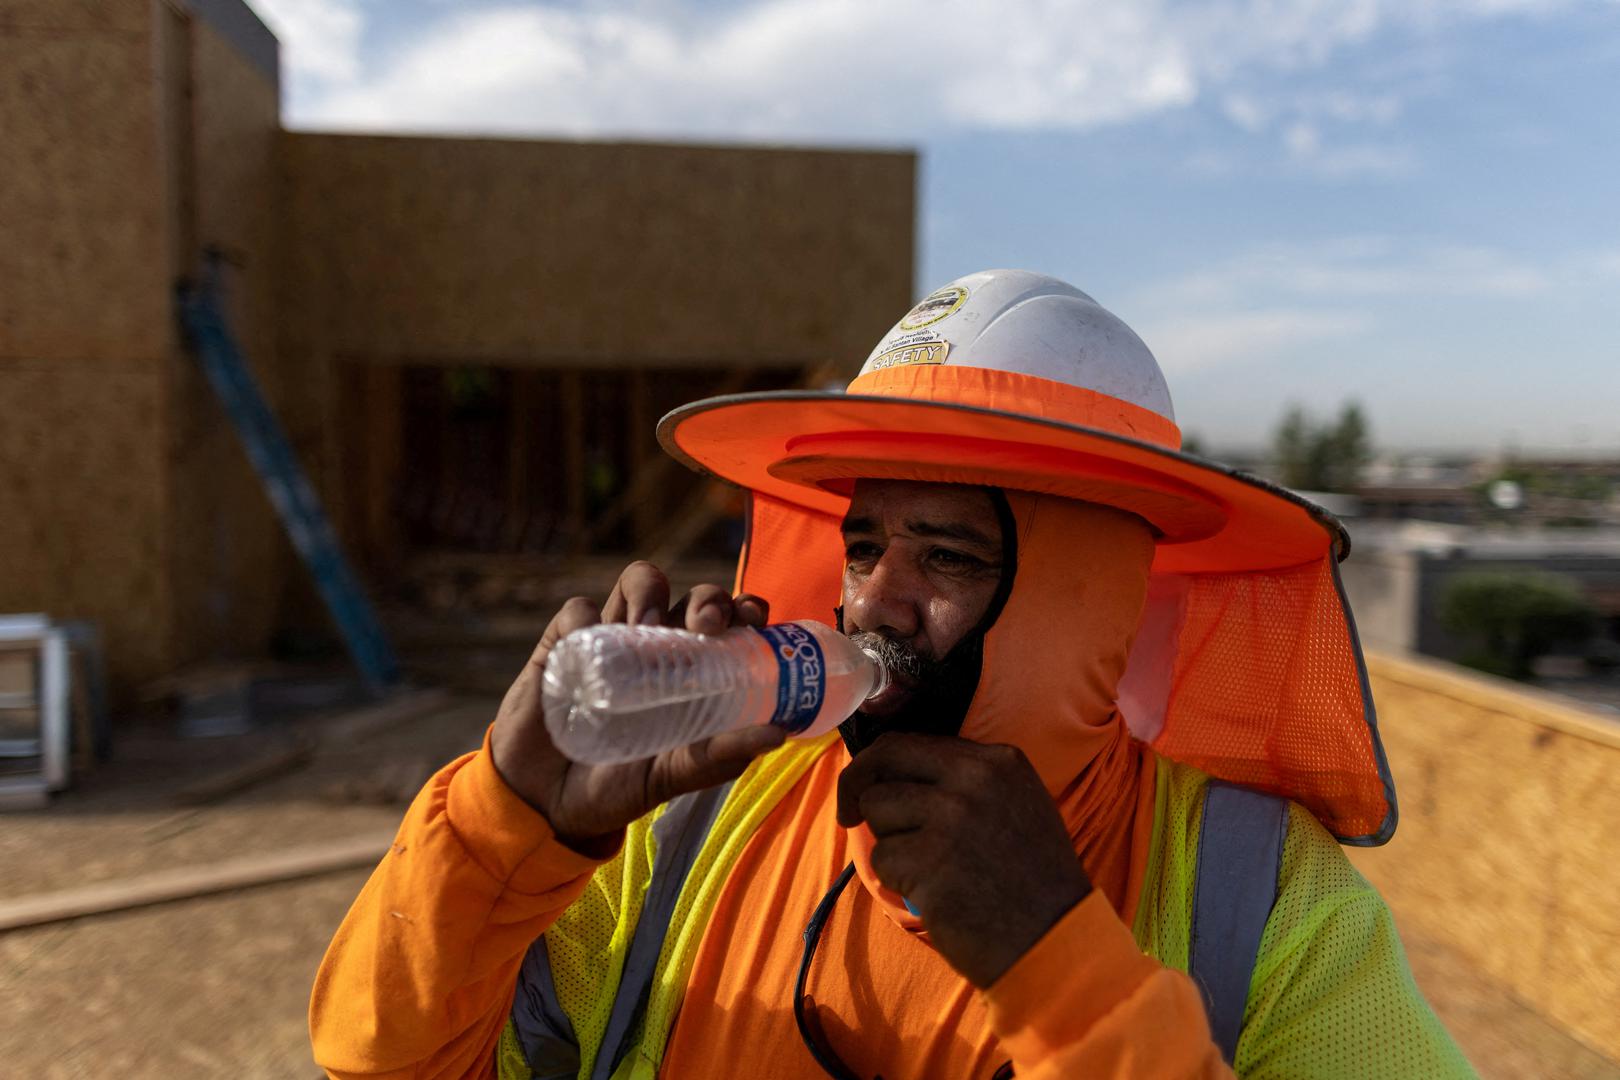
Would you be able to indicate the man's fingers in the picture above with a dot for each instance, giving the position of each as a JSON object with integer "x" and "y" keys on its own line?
{"x": 524, "y": 694}
{"x": 922, "y": 759}
{"x": 576, "y": 614}
{"x": 751, "y": 610}
{"x": 903, "y": 862}
{"x": 641, "y": 596}
{"x": 709, "y": 761}
{"x": 898, "y": 806}
{"x": 744, "y": 744}
{"x": 707, "y": 609}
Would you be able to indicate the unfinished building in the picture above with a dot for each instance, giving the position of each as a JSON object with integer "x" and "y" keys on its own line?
{"x": 468, "y": 341}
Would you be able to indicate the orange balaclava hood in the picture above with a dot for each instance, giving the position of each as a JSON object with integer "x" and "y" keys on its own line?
{"x": 1052, "y": 662}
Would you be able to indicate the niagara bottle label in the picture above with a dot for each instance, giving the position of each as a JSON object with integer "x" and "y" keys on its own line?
{"x": 801, "y": 670}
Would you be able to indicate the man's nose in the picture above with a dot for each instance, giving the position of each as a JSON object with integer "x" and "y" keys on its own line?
{"x": 888, "y": 600}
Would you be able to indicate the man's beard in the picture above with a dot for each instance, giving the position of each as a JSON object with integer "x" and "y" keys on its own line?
{"x": 942, "y": 689}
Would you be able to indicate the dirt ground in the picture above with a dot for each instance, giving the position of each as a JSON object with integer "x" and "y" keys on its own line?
{"x": 218, "y": 986}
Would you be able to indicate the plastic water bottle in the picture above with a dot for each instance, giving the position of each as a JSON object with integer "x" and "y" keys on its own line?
{"x": 616, "y": 692}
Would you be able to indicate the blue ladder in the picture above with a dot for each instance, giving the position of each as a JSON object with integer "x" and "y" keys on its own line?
{"x": 284, "y": 481}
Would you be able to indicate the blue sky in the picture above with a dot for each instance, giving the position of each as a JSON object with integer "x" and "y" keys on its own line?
{"x": 1414, "y": 203}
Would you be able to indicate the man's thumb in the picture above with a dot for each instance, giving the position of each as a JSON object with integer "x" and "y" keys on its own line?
{"x": 710, "y": 761}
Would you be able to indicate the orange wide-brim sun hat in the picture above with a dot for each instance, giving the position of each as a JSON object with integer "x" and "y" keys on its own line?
{"x": 1246, "y": 664}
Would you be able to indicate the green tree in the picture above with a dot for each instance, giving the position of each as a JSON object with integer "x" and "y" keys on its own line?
{"x": 1513, "y": 617}
{"x": 1291, "y": 445}
{"x": 1350, "y": 445}
{"x": 1322, "y": 457}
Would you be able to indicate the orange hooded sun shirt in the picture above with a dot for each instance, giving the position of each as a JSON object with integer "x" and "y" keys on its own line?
{"x": 886, "y": 1001}
{"x": 421, "y": 976}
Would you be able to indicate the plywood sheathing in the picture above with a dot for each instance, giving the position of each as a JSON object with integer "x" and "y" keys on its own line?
{"x": 81, "y": 206}
{"x": 1506, "y": 846}
{"x": 230, "y": 558}
{"x": 128, "y": 500}
{"x": 62, "y": 16}
{"x": 462, "y": 250}
{"x": 84, "y": 327}
{"x": 84, "y": 488}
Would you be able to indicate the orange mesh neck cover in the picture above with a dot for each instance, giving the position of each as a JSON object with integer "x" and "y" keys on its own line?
{"x": 1015, "y": 392}
{"x": 1052, "y": 664}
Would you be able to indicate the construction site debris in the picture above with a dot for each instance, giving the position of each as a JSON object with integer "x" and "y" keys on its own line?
{"x": 184, "y": 882}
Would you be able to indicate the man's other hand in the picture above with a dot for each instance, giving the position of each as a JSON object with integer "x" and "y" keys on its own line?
{"x": 969, "y": 836}
{"x": 587, "y": 805}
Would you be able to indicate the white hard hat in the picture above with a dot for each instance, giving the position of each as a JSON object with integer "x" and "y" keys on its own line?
{"x": 1015, "y": 320}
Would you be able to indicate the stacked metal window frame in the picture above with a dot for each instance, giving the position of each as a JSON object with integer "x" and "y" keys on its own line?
{"x": 49, "y": 701}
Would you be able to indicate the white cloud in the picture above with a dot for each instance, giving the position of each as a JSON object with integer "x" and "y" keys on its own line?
{"x": 1605, "y": 264}
{"x": 1360, "y": 159}
{"x": 320, "y": 39}
{"x": 1359, "y": 268}
{"x": 1267, "y": 304}
{"x": 1342, "y": 105}
{"x": 1302, "y": 139}
{"x": 816, "y": 68}
{"x": 1201, "y": 341}
{"x": 1323, "y": 132}
{"x": 1247, "y": 112}
{"x": 832, "y": 69}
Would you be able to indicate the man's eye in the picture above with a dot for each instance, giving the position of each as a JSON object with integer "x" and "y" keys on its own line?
{"x": 955, "y": 560}
{"x": 862, "y": 551}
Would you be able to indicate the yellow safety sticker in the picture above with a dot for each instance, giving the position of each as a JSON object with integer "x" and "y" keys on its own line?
{"x": 916, "y": 352}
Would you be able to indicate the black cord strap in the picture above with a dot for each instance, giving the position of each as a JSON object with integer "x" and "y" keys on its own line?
{"x": 829, "y": 1061}
{"x": 813, "y": 1038}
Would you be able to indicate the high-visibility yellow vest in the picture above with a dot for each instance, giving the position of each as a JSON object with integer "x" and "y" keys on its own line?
{"x": 1326, "y": 929}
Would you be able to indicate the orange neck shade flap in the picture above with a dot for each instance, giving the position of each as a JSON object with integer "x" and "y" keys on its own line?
{"x": 1251, "y": 676}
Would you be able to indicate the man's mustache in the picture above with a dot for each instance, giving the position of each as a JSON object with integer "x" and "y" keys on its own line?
{"x": 900, "y": 658}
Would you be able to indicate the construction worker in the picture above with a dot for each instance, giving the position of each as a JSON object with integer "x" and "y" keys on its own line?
{"x": 1015, "y": 861}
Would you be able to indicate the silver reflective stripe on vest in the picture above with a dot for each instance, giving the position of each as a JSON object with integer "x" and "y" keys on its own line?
{"x": 1235, "y": 887}
{"x": 680, "y": 833}
{"x": 543, "y": 1029}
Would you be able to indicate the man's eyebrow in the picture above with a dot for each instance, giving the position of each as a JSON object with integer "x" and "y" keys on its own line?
{"x": 934, "y": 530}
{"x": 951, "y": 530}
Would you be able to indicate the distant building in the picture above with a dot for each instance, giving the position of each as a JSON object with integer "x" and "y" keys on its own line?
{"x": 1410, "y": 502}
{"x": 1398, "y": 571}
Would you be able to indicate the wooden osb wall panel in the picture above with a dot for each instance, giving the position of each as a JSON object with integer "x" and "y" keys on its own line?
{"x": 129, "y": 16}
{"x": 81, "y": 205}
{"x": 229, "y": 555}
{"x": 1506, "y": 846}
{"x": 83, "y": 486}
{"x": 235, "y": 125}
{"x": 448, "y": 250}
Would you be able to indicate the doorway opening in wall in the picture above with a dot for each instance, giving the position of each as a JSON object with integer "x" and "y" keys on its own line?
{"x": 488, "y": 487}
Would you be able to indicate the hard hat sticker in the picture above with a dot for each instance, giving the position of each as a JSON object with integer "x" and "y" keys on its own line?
{"x": 913, "y": 352}
{"x": 937, "y": 305}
